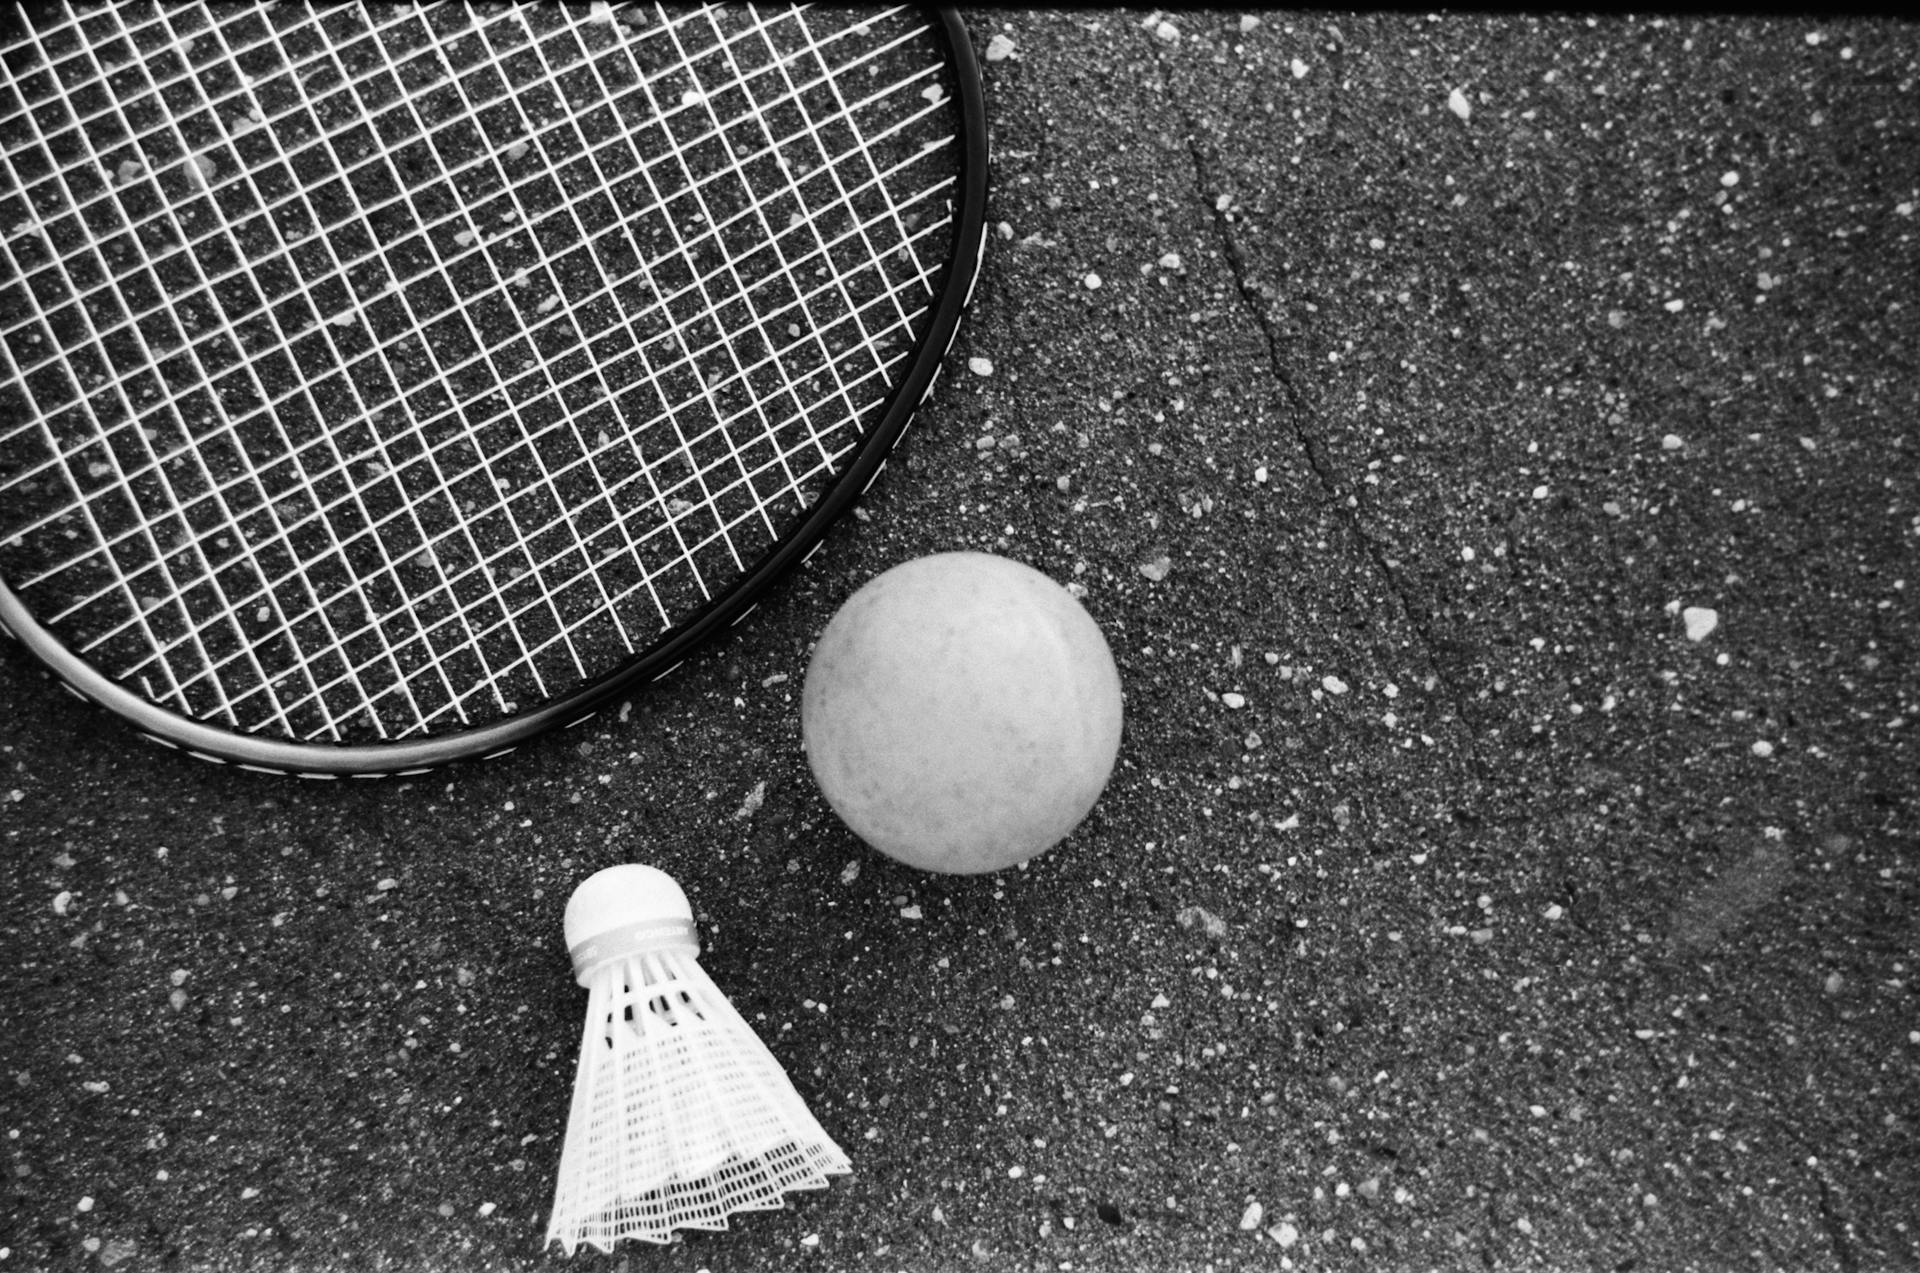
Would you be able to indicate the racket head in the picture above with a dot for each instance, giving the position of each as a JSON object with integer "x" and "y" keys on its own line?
{"x": 63, "y": 338}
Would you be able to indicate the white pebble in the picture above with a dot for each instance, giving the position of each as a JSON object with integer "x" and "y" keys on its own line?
{"x": 1554, "y": 911}
{"x": 1283, "y": 1233}
{"x": 1700, "y": 622}
{"x": 1729, "y": 179}
{"x": 1248, "y": 24}
{"x": 1671, "y": 442}
{"x": 86, "y": 1204}
{"x": 1541, "y": 492}
{"x": 1234, "y": 701}
{"x": 1457, "y": 103}
{"x": 518, "y": 150}
{"x": 202, "y": 168}
{"x": 1299, "y": 69}
{"x": 1762, "y": 748}
{"x": 61, "y": 901}
{"x": 1250, "y": 1218}
{"x": 692, "y": 97}
{"x": 1675, "y": 305}
{"x": 1466, "y": 554}
{"x": 1092, "y": 281}
{"x": 980, "y": 366}
{"x": 910, "y": 912}
{"x": 999, "y": 48}
{"x": 387, "y": 884}
{"x": 1333, "y": 685}
{"x": 1170, "y": 261}
{"x": 1167, "y": 31}
{"x": 487, "y": 1208}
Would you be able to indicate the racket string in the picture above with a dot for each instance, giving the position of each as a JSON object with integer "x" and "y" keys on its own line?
{"x": 358, "y": 524}
{"x": 136, "y": 606}
{"x": 162, "y": 661}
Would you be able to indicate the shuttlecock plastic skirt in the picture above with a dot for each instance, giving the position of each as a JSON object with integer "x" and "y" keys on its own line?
{"x": 681, "y": 1116}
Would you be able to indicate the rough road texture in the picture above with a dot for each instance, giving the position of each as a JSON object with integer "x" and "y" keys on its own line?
{"x": 1434, "y": 368}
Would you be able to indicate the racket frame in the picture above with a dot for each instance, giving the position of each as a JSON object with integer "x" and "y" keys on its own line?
{"x": 401, "y": 757}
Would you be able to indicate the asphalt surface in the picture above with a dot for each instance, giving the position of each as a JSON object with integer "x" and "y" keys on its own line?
{"x": 1437, "y": 367}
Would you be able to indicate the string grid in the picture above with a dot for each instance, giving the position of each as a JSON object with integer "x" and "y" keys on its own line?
{"x": 369, "y": 372}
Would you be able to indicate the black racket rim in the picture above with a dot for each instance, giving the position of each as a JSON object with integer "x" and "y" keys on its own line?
{"x": 420, "y": 755}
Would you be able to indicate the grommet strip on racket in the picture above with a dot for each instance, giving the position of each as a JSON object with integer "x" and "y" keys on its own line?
{"x": 380, "y": 386}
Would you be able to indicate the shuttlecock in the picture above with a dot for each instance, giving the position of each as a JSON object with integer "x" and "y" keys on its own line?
{"x": 680, "y": 1114}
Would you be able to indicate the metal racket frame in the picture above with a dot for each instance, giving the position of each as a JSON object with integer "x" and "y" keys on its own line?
{"x": 417, "y": 755}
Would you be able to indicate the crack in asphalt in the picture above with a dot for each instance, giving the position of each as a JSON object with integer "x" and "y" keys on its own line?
{"x": 1343, "y": 500}
{"x": 1836, "y": 1227}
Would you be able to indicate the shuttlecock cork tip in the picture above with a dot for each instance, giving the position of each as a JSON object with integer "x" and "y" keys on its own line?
{"x": 625, "y": 909}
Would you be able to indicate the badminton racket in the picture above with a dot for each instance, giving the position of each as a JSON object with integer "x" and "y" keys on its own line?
{"x": 382, "y": 386}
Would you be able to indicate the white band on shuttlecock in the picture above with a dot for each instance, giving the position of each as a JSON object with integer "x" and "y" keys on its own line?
{"x": 632, "y": 939}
